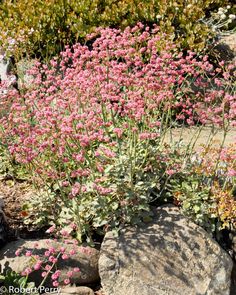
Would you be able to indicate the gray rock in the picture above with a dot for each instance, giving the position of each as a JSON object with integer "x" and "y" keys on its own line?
{"x": 77, "y": 291}
{"x": 86, "y": 261}
{"x": 233, "y": 286}
{"x": 5, "y": 66}
{"x": 234, "y": 244}
{"x": 233, "y": 281}
{"x": 169, "y": 256}
{"x": 8, "y": 79}
{"x": 74, "y": 291}
{"x": 6, "y": 69}
{"x": 230, "y": 40}
{"x": 16, "y": 74}
{"x": 3, "y": 228}
{"x": 226, "y": 47}
{"x": 1, "y": 202}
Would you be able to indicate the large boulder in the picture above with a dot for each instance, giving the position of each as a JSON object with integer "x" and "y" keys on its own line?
{"x": 86, "y": 259}
{"x": 168, "y": 256}
{"x": 233, "y": 287}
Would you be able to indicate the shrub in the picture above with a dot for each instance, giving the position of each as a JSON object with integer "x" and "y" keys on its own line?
{"x": 92, "y": 125}
{"x": 205, "y": 188}
{"x": 43, "y": 28}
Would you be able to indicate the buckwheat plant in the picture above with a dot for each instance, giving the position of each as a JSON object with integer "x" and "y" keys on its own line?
{"x": 92, "y": 125}
{"x": 48, "y": 261}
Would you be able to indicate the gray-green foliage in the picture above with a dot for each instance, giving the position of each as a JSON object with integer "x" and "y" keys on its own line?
{"x": 10, "y": 280}
{"x": 195, "y": 198}
{"x": 132, "y": 180}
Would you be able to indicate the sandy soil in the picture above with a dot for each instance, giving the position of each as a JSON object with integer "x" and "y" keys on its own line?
{"x": 202, "y": 136}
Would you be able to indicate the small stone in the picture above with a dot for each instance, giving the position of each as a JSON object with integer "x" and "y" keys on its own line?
{"x": 74, "y": 291}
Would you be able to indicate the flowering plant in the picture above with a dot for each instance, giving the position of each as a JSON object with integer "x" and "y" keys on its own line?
{"x": 47, "y": 262}
{"x": 92, "y": 126}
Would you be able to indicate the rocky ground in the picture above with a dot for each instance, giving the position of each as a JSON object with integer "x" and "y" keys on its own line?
{"x": 202, "y": 135}
{"x": 14, "y": 195}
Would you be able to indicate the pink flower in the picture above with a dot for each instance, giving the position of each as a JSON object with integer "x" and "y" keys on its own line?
{"x": 76, "y": 122}
{"x": 47, "y": 253}
{"x": 64, "y": 233}
{"x": 75, "y": 189}
{"x": 65, "y": 256}
{"x": 18, "y": 251}
{"x": 51, "y": 229}
{"x": 231, "y": 173}
{"x": 52, "y": 250}
{"x": 38, "y": 265}
{"x": 62, "y": 249}
{"x": 27, "y": 271}
{"x": 73, "y": 226}
{"x": 118, "y": 132}
{"x": 144, "y": 135}
{"x": 56, "y": 275}
{"x": 66, "y": 183}
{"x": 66, "y": 281}
{"x": 55, "y": 283}
{"x": 69, "y": 274}
{"x": 44, "y": 274}
{"x": 108, "y": 153}
{"x": 48, "y": 267}
{"x": 51, "y": 258}
{"x": 28, "y": 253}
{"x": 72, "y": 252}
{"x": 170, "y": 172}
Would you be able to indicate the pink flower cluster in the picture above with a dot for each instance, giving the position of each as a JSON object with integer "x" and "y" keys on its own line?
{"x": 47, "y": 262}
{"x": 85, "y": 98}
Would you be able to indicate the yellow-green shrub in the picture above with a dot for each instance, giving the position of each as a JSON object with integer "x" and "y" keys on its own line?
{"x": 206, "y": 191}
{"x": 43, "y": 27}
